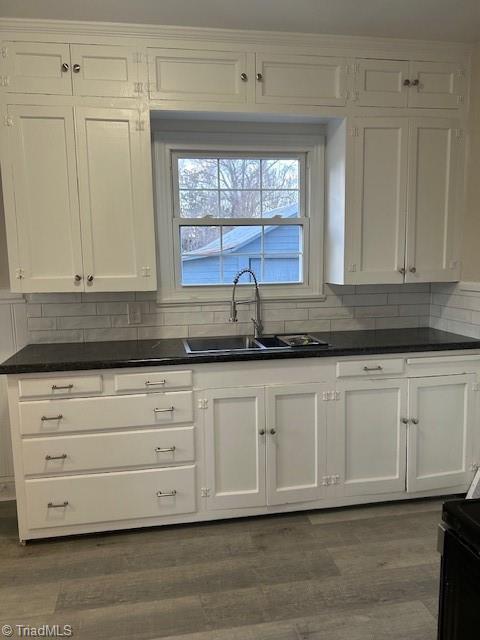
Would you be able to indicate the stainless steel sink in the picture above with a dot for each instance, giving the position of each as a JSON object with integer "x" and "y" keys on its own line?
{"x": 222, "y": 343}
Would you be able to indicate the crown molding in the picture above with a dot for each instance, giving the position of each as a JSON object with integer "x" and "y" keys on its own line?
{"x": 227, "y": 36}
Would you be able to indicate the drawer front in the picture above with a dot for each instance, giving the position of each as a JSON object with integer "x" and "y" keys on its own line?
{"x": 59, "y": 386}
{"x": 157, "y": 381}
{"x": 89, "y": 414}
{"x": 367, "y": 368}
{"x": 105, "y": 497}
{"x": 97, "y": 451}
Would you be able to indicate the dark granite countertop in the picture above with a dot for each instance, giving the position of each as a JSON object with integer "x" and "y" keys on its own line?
{"x": 38, "y": 358}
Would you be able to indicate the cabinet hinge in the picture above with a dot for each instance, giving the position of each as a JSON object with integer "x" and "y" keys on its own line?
{"x": 140, "y": 126}
{"x": 19, "y": 274}
{"x": 460, "y": 99}
{"x": 4, "y": 51}
{"x": 202, "y": 403}
{"x": 354, "y": 97}
{"x": 329, "y": 480}
{"x": 8, "y": 122}
{"x": 328, "y": 396}
{"x": 460, "y": 72}
{"x": 353, "y": 68}
{"x": 476, "y": 386}
{"x": 205, "y": 492}
{"x": 138, "y": 87}
{"x": 146, "y": 272}
{"x": 459, "y": 134}
{"x": 354, "y": 132}
{"x": 352, "y": 268}
{"x": 137, "y": 57}
{"x": 4, "y": 81}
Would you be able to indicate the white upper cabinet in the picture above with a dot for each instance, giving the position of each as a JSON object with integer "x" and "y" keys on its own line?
{"x": 300, "y": 80}
{"x": 399, "y": 83}
{"x": 377, "y": 234}
{"x": 440, "y": 432}
{"x": 296, "y": 443}
{"x": 235, "y": 447}
{"x": 432, "y": 202}
{"x": 41, "y": 140}
{"x": 77, "y": 69}
{"x": 115, "y": 200}
{"x": 381, "y": 83}
{"x": 78, "y": 200}
{"x": 369, "y": 437}
{"x": 197, "y": 75}
{"x": 108, "y": 71}
{"x": 38, "y": 67}
{"x": 436, "y": 85}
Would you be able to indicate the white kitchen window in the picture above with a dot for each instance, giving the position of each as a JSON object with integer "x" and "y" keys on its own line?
{"x": 223, "y": 209}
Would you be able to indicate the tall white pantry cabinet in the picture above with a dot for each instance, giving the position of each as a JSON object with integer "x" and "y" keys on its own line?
{"x": 76, "y": 152}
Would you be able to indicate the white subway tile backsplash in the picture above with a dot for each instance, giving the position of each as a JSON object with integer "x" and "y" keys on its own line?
{"x": 42, "y": 324}
{"x": 83, "y": 322}
{"x": 69, "y": 309}
{"x": 365, "y": 300}
{"x": 353, "y": 324}
{"x": 99, "y": 335}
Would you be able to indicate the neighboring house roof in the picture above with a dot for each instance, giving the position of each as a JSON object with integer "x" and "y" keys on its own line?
{"x": 240, "y": 236}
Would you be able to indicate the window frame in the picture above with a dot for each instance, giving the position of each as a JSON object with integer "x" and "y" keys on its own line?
{"x": 170, "y": 145}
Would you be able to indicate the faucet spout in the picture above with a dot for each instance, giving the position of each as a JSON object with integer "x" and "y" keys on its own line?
{"x": 257, "y": 321}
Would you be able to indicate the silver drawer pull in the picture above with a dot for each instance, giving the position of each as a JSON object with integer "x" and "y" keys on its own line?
{"x": 379, "y": 368}
{"x": 165, "y": 449}
{"x": 61, "y": 457}
{"x": 153, "y": 384}
{"x": 56, "y": 387}
{"x": 48, "y": 418}
{"x": 166, "y": 494}
{"x": 60, "y": 505}
{"x": 167, "y": 410}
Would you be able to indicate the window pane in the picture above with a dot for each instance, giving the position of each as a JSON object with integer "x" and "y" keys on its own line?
{"x": 199, "y": 239}
{"x": 278, "y": 269}
{"x": 239, "y": 173}
{"x": 280, "y": 173}
{"x": 198, "y": 173}
{"x": 201, "y": 255}
{"x": 240, "y": 204}
{"x": 283, "y": 239}
{"x": 281, "y": 203}
{"x": 196, "y": 204}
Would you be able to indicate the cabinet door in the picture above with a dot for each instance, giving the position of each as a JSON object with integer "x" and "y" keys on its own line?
{"x": 44, "y": 184}
{"x": 38, "y": 67}
{"x": 114, "y": 179}
{"x": 440, "y": 85}
{"x": 235, "y": 447}
{"x": 379, "y": 83}
{"x": 376, "y": 241}
{"x": 369, "y": 437}
{"x": 197, "y": 75}
{"x": 440, "y": 444}
{"x": 314, "y": 80}
{"x": 432, "y": 201}
{"x": 296, "y": 443}
{"x": 103, "y": 71}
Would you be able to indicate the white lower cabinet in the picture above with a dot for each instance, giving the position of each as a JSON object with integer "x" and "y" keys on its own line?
{"x": 368, "y": 438}
{"x": 440, "y": 432}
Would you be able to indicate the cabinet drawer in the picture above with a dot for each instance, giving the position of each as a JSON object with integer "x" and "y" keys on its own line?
{"x": 158, "y": 381}
{"x": 88, "y": 414}
{"x": 59, "y": 387}
{"x": 97, "y": 451}
{"x": 367, "y": 368}
{"x": 106, "y": 497}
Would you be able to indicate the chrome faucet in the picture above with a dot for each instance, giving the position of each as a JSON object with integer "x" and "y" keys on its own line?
{"x": 257, "y": 321}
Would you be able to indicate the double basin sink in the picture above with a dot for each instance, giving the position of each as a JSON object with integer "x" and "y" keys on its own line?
{"x": 232, "y": 343}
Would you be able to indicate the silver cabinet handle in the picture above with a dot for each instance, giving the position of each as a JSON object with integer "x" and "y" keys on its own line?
{"x": 167, "y": 410}
{"x": 60, "y": 505}
{"x": 259, "y": 77}
{"x": 405, "y": 420}
{"x": 414, "y": 420}
{"x": 413, "y": 270}
{"x": 56, "y": 387}
{"x": 165, "y": 494}
{"x": 77, "y": 277}
{"x": 406, "y": 82}
{"x": 65, "y": 66}
{"x": 165, "y": 449}
{"x": 416, "y": 82}
{"x": 378, "y": 368}
{"x": 243, "y": 77}
{"x": 261, "y": 432}
{"x": 48, "y": 418}
{"x": 153, "y": 384}
{"x": 273, "y": 431}
{"x": 402, "y": 270}
{"x": 90, "y": 278}
{"x": 76, "y": 68}
{"x": 61, "y": 457}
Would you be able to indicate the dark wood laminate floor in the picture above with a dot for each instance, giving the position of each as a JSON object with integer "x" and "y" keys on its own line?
{"x": 368, "y": 573}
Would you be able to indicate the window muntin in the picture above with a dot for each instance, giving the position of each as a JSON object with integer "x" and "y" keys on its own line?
{"x": 249, "y": 190}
